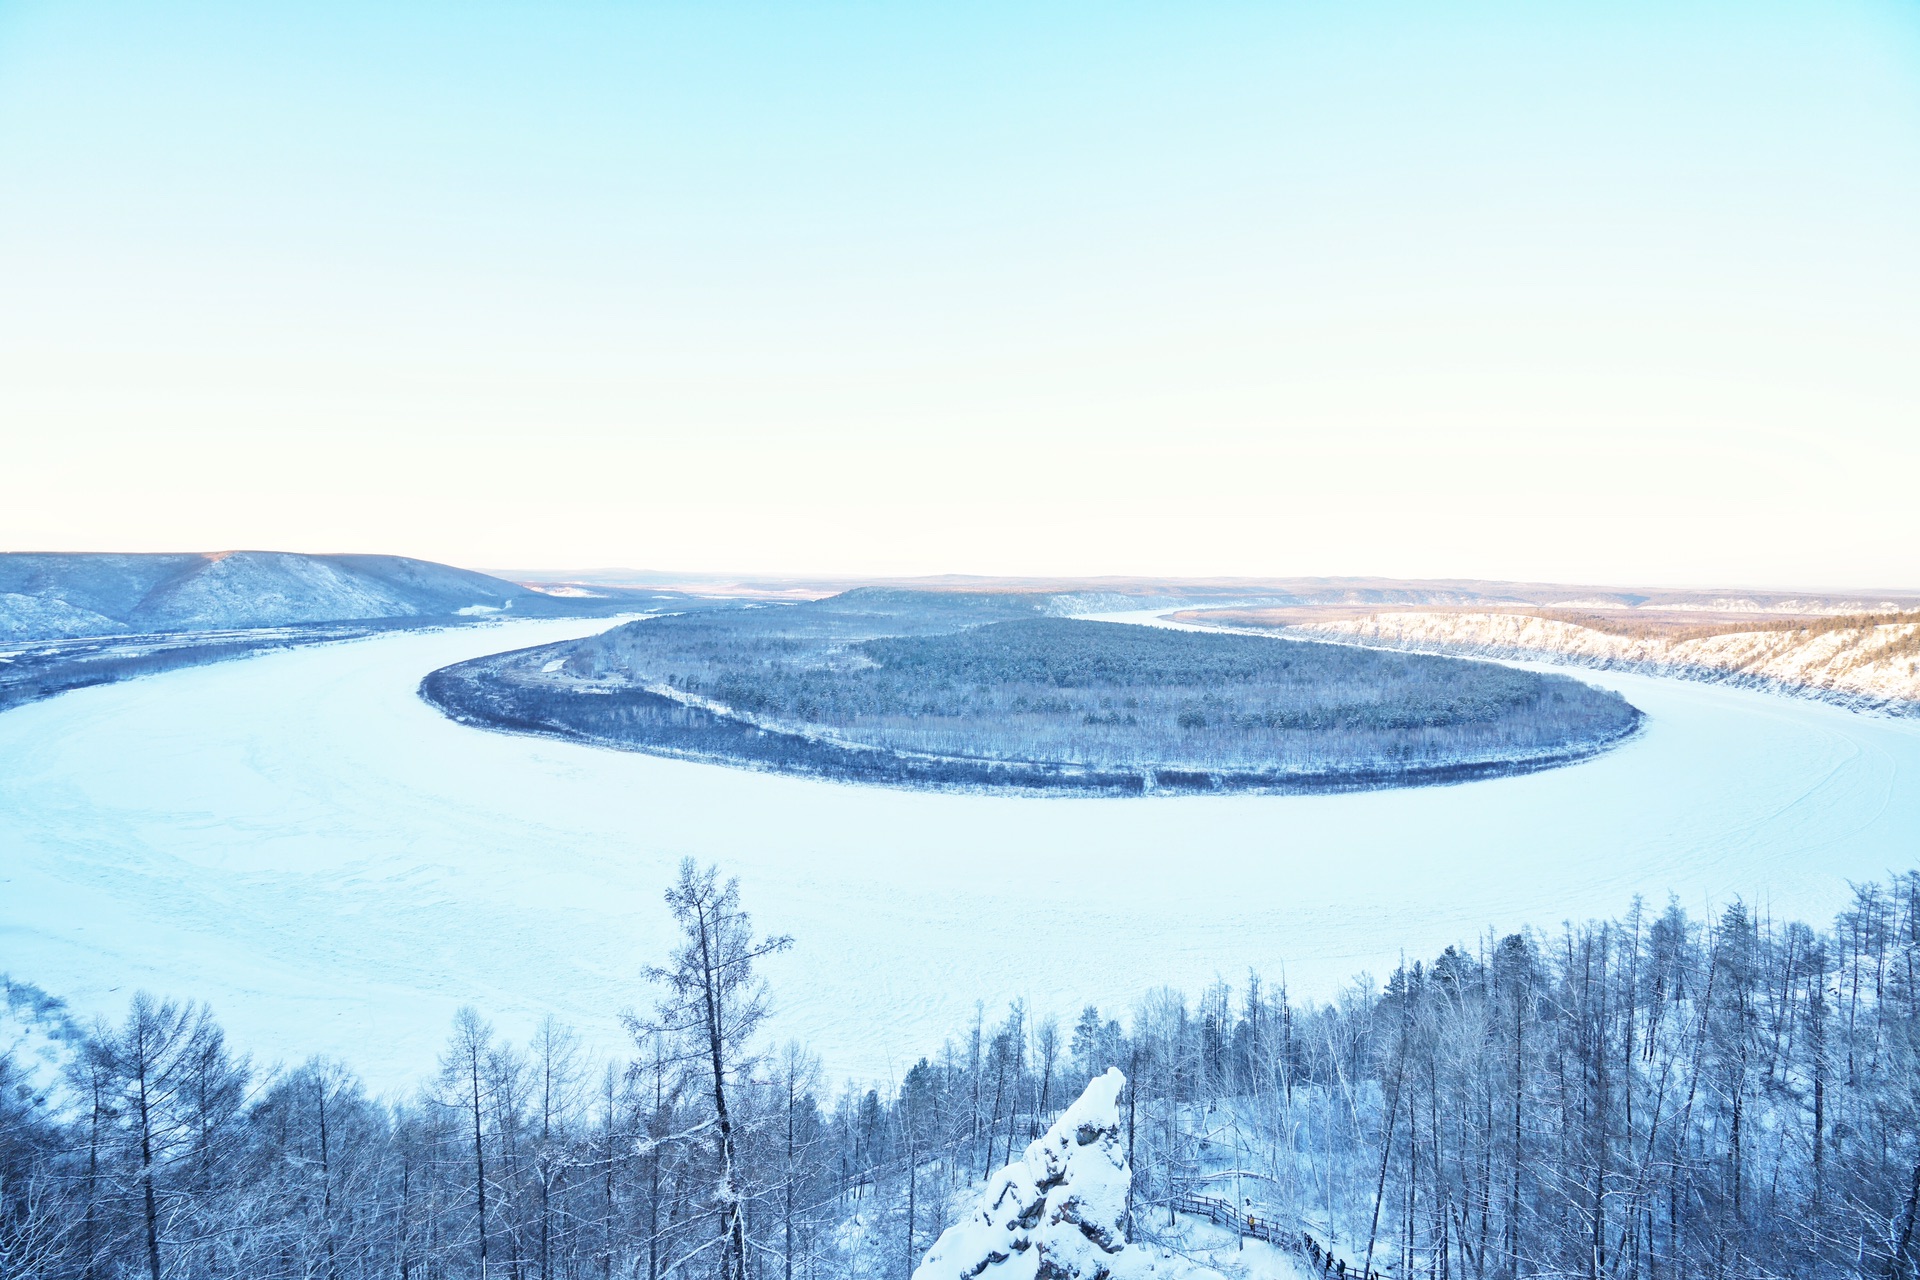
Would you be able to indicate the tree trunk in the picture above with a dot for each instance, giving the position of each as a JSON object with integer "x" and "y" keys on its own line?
{"x": 146, "y": 1170}
{"x": 326, "y": 1179}
{"x": 734, "y": 1227}
{"x": 1386, "y": 1149}
{"x": 1897, "y": 1265}
{"x": 479, "y": 1160}
{"x": 786, "y": 1208}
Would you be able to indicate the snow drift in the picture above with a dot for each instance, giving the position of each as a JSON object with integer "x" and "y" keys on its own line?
{"x": 1059, "y": 1212}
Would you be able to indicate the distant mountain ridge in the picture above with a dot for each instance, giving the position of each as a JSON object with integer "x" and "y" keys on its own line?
{"x": 57, "y": 595}
{"x": 1137, "y": 591}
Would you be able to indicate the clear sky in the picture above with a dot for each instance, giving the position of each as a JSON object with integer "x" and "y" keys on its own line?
{"x": 1605, "y": 291}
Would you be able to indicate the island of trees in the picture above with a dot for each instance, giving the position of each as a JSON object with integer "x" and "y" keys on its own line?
{"x": 980, "y": 690}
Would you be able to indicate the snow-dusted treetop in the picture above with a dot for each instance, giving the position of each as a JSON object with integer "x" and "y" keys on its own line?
{"x": 1059, "y": 1211}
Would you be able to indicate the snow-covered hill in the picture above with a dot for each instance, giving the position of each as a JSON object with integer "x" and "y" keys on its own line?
{"x": 46, "y": 617}
{"x": 1874, "y": 665}
{"x": 50, "y": 596}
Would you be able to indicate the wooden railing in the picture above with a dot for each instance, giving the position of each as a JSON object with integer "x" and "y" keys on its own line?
{"x": 1249, "y": 1224}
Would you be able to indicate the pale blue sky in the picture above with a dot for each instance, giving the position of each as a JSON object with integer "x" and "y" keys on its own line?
{"x": 1601, "y": 292}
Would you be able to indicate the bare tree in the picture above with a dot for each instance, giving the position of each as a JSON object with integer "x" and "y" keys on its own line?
{"x": 556, "y": 1070}
{"x": 464, "y": 1077}
{"x": 799, "y": 1079}
{"x": 710, "y": 1010}
{"x": 152, "y": 1055}
{"x": 1049, "y": 1050}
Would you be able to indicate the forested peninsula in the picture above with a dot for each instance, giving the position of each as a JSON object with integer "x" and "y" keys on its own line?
{"x": 959, "y": 690}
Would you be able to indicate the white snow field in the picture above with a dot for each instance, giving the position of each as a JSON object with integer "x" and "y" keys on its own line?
{"x": 301, "y": 841}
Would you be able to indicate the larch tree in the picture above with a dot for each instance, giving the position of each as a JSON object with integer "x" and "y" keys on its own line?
{"x": 465, "y": 1078}
{"x": 152, "y": 1056}
{"x": 710, "y": 1008}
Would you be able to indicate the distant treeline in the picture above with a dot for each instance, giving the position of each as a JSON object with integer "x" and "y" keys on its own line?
{"x": 58, "y": 666}
{"x": 955, "y": 690}
{"x": 30, "y": 672}
{"x": 1654, "y": 1097}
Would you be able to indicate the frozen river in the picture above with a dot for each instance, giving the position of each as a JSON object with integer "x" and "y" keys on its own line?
{"x": 301, "y": 841}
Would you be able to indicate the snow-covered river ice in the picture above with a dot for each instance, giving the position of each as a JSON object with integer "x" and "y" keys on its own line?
{"x": 301, "y": 841}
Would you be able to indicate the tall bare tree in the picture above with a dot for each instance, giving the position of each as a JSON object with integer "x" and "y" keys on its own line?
{"x": 465, "y": 1077}
{"x": 153, "y": 1054}
{"x": 710, "y": 1009}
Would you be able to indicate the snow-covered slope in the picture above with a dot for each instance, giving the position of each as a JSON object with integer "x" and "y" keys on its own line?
{"x": 48, "y": 596}
{"x": 38, "y": 617}
{"x": 266, "y": 588}
{"x": 1869, "y": 666}
{"x": 1060, "y": 1211}
{"x": 38, "y": 1041}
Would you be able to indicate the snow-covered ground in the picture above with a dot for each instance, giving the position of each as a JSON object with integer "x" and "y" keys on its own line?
{"x": 300, "y": 840}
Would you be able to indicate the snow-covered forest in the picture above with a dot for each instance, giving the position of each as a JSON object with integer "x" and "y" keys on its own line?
{"x": 1651, "y": 1096}
{"x": 980, "y": 690}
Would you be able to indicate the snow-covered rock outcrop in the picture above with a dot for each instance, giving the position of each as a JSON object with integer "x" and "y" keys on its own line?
{"x": 1059, "y": 1212}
